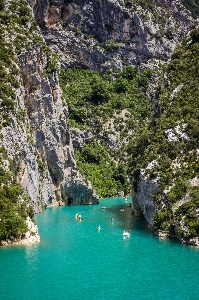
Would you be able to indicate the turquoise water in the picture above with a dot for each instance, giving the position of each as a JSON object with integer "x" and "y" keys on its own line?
{"x": 76, "y": 261}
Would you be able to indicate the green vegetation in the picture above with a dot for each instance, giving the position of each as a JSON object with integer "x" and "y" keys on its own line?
{"x": 92, "y": 96}
{"x": 193, "y": 6}
{"x": 52, "y": 63}
{"x": 17, "y": 22}
{"x": 93, "y": 99}
{"x": 97, "y": 166}
{"x": 112, "y": 46}
{"x": 14, "y": 203}
{"x": 176, "y": 159}
{"x": 187, "y": 213}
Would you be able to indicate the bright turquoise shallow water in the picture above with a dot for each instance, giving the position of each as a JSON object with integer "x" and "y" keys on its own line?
{"x": 75, "y": 261}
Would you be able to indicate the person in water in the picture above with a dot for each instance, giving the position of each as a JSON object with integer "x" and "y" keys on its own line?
{"x": 98, "y": 227}
{"x": 78, "y": 217}
{"x": 112, "y": 220}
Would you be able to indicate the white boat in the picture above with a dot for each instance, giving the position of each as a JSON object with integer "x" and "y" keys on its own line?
{"x": 126, "y": 233}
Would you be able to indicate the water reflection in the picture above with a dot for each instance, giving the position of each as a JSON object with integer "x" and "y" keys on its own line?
{"x": 127, "y": 219}
{"x": 31, "y": 256}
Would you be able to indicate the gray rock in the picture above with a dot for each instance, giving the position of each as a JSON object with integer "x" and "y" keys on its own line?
{"x": 41, "y": 146}
{"x": 80, "y": 31}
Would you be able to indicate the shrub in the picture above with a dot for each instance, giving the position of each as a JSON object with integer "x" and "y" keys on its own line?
{"x": 2, "y": 4}
{"x": 195, "y": 35}
{"x": 120, "y": 85}
{"x": 112, "y": 46}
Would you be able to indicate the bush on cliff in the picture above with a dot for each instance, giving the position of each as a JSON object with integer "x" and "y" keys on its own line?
{"x": 14, "y": 203}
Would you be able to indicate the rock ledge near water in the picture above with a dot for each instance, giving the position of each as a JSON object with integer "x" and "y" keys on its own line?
{"x": 31, "y": 236}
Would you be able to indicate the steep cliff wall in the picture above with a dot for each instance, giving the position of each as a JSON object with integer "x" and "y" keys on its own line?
{"x": 40, "y": 143}
{"x": 165, "y": 174}
{"x": 36, "y": 151}
{"x": 101, "y": 35}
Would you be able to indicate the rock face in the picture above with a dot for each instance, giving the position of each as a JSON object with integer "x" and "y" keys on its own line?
{"x": 39, "y": 142}
{"x": 98, "y": 35}
{"x": 80, "y": 137}
{"x": 108, "y": 34}
{"x": 143, "y": 204}
{"x": 142, "y": 201}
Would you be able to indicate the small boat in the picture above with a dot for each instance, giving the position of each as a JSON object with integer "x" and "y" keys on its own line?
{"x": 126, "y": 233}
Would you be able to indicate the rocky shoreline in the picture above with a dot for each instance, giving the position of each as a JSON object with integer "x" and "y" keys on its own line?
{"x": 30, "y": 237}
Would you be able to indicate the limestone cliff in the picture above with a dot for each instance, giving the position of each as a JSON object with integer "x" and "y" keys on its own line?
{"x": 104, "y": 35}
{"x": 36, "y": 151}
{"x": 40, "y": 143}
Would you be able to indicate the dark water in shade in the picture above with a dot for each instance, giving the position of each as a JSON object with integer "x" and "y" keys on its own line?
{"x": 76, "y": 261}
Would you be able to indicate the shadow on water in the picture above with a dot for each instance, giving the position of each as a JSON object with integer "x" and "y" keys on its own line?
{"x": 127, "y": 219}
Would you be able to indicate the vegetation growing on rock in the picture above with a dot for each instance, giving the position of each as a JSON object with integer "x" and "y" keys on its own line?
{"x": 15, "y": 205}
{"x": 17, "y": 31}
{"x": 171, "y": 140}
{"x": 192, "y": 6}
{"x": 96, "y": 98}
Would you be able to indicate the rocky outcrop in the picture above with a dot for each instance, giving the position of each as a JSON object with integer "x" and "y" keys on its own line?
{"x": 100, "y": 35}
{"x": 142, "y": 200}
{"x": 108, "y": 34}
{"x": 80, "y": 137}
{"x": 144, "y": 204}
{"x": 31, "y": 236}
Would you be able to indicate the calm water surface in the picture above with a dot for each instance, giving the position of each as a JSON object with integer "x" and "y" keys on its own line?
{"x": 76, "y": 261}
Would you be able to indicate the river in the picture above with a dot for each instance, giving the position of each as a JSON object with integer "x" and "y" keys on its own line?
{"x": 76, "y": 261}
